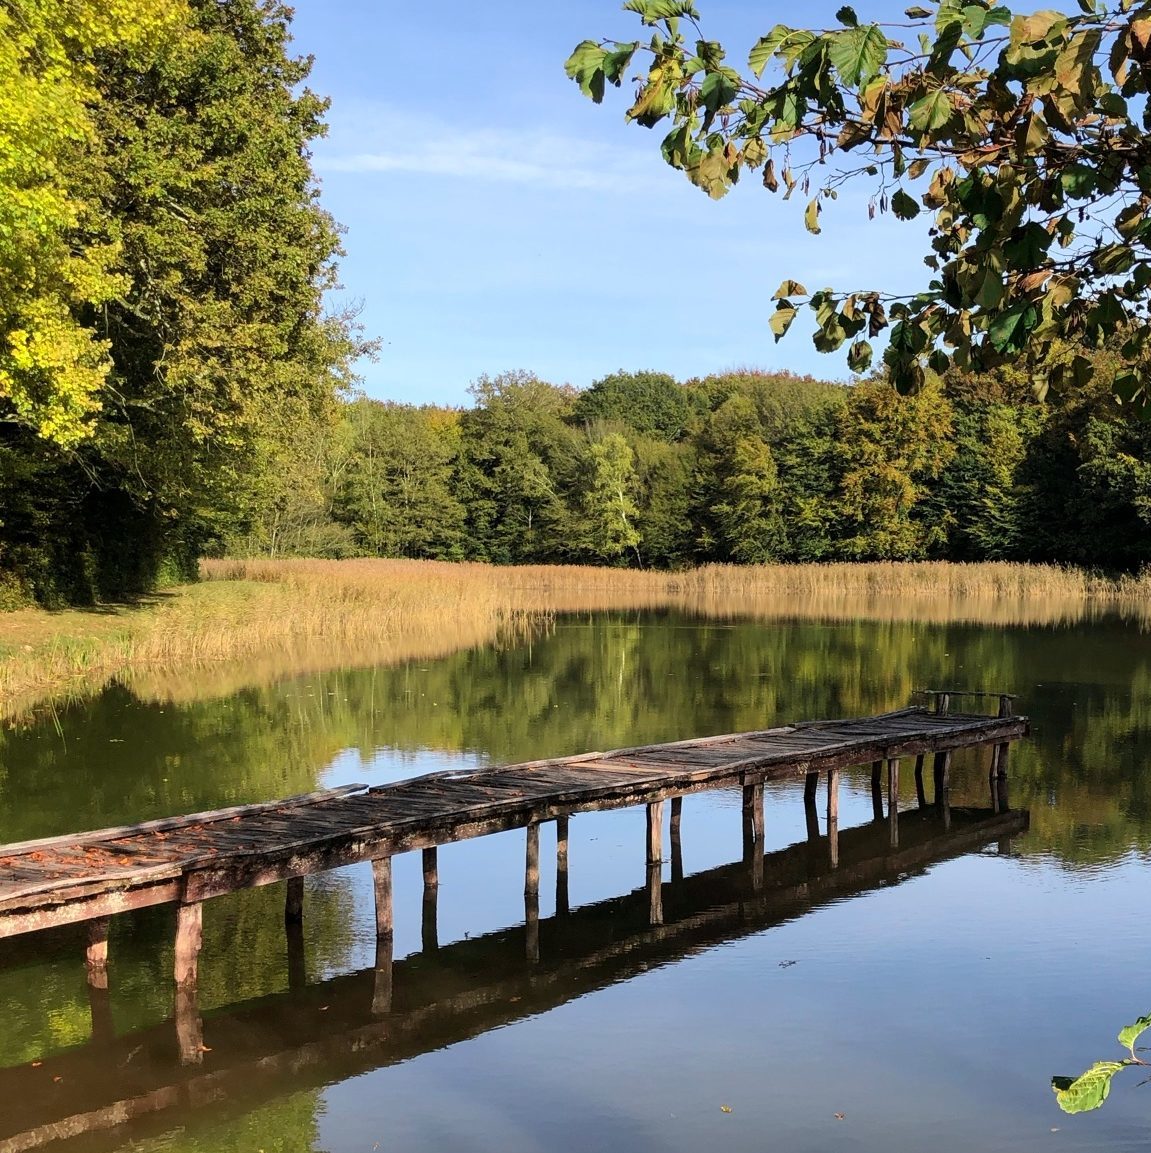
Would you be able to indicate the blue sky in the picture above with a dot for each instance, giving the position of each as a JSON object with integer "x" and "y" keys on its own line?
{"x": 496, "y": 219}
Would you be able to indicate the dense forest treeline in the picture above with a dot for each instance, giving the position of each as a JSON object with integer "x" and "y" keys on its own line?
{"x": 741, "y": 467}
{"x": 163, "y": 260}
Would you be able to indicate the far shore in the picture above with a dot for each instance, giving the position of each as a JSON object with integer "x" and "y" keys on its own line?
{"x": 251, "y": 620}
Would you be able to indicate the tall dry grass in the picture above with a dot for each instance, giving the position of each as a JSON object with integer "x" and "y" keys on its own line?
{"x": 252, "y": 620}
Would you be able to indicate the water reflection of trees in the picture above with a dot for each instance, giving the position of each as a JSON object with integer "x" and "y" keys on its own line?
{"x": 609, "y": 680}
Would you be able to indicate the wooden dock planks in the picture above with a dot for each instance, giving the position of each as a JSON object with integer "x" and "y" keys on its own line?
{"x": 59, "y": 880}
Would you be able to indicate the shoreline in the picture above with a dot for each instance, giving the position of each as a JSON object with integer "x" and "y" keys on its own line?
{"x": 313, "y": 615}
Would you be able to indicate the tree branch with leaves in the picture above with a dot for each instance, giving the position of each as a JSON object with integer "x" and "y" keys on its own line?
{"x": 1024, "y": 135}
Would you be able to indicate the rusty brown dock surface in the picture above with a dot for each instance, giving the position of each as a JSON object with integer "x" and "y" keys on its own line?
{"x": 185, "y": 860}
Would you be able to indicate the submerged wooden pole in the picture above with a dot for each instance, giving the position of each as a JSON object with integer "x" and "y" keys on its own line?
{"x": 920, "y": 795}
{"x": 562, "y": 901}
{"x": 96, "y": 962}
{"x": 429, "y": 909}
{"x": 753, "y": 832}
{"x": 676, "y": 840}
{"x": 942, "y": 773}
{"x": 96, "y": 953}
{"x": 877, "y": 790}
{"x": 833, "y": 816}
{"x": 893, "y": 800}
{"x": 655, "y": 893}
{"x": 532, "y": 893}
{"x": 382, "y": 888}
{"x": 294, "y": 932}
{"x": 1002, "y": 802}
{"x": 753, "y": 818}
{"x": 655, "y": 862}
{"x": 189, "y": 939}
{"x": 294, "y": 899}
{"x": 810, "y": 812}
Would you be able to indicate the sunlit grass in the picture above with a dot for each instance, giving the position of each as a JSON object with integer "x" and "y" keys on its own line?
{"x": 252, "y": 620}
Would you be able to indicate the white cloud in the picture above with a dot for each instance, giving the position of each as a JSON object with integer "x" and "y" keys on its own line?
{"x": 533, "y": 158}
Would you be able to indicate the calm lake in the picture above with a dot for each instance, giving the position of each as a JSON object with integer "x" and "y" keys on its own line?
{"x": 887, "y": 1011}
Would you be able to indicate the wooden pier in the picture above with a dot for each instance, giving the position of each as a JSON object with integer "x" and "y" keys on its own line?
{"x": 115, "y": 1089}
{"x": 89, "y": 877}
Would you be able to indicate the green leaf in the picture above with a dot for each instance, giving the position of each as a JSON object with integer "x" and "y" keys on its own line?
{"x": 917, "y": 13}
{"x": 1028, "y": 246}
{"x": 1129, "y": 1035}
{"x": 932, "y": 112}
{"x": 859, "y": 356}
{"x": 1078, "y": 181}
{"x": 858, "y": 53}
{"x": 781, "y": 318}
{"x": 586, "y": 67}
{"x": 904, "y": 206}
{"x": 789, "y": 288}
{"x": 652, "y": 11}
{"x": 1004, "y": 332}
{"x": 717, "y": 91}
{"x": 846, "y": 15}
{"x": 811, "y": 217}
{"x": 765, "y": 48}
{"x": 615, "y": 62}
{"x": 1087, "y": 1091}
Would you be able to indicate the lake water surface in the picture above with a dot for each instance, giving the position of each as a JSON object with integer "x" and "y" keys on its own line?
{"x": 896, "y": 1012}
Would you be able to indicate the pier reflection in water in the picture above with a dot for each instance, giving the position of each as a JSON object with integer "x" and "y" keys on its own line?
{"x": 120, "y": 1088}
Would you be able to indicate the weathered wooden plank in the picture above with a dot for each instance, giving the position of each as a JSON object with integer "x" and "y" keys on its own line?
{"x": 165, "y": 823}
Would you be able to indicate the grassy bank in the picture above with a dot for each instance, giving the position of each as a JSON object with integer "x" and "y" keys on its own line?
{"x": 252, "y": 620}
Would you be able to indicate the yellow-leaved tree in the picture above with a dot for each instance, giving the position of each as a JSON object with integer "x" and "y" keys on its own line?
{"x": 58, "y": 260}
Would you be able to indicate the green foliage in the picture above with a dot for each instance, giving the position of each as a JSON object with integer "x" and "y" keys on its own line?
{"x": 651, "y": 403}
{"x": 609, "y": 506}
{"x": 396, "y": 490}
{"x": 194, "y": 176}
{"x": 1089, "y": 1090}
{"x": 763, "y": 467}
{"x": 1028, "y": 130}
{"x": 59, "y": 259}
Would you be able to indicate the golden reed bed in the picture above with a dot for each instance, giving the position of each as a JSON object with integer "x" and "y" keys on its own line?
{"x": 248, "y": 621}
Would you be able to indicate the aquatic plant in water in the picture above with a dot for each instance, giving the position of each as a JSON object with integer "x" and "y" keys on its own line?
{"x": 1089, "y": 1090}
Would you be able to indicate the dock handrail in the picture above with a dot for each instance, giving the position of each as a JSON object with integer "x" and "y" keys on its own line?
{"x": 942, "y": 698}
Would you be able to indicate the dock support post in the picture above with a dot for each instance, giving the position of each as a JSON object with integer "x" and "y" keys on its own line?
{"x": 96, "y": 954}
{"x": 1002, "y": 804}
{"x": 676, "y": 841}
{"x": 877, "y": 790}
{"x": 655, "y": 862}
{"x": 833, "y": 816}
{"x": 429, "y": 912}
{"x": 532, "y": 893}
{"x": 294, "y": 932}
{"x": 920, "y": 795}
{"x": 96, "y": 962}
{"x": 893, "y": 800}
{"x": 385, "y": 936}
{"x": 753, "y": 820}
{"x": 942, "y": 772}
{"x": 294, "y": 900}
{"x": 562, "y": 899}
{"x": 189, "y": 939}
{"x": 811, "y": 815}
{"x": 753, "y": 831}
